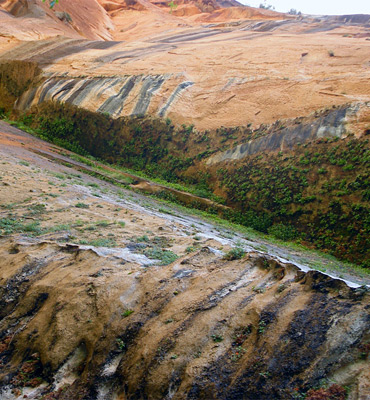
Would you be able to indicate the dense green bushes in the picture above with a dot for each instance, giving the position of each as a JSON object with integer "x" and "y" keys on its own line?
{"x": 140, "y": 143}
{"x": 318, "y": 192}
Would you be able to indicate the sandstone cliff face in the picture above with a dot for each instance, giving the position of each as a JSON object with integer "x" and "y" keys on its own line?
{"x": 130, "y": 95}
{"x": 333, "y": 124}
{"x": 210, "y": 75}
{"x": 105, "y": 294}
{"x": 33, "y": 20}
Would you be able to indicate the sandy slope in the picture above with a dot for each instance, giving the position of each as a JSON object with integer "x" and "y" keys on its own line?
{"x": 253, "y": 67}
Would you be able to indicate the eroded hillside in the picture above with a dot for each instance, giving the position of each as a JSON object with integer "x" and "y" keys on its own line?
{"x": 200, "y": 92}
{"x": 110, "y": 295}
{"x": 256, "y": 117}
{"x": 304, "y": 179}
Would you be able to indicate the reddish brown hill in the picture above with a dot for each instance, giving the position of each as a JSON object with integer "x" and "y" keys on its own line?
{"x": 34, "y": 20}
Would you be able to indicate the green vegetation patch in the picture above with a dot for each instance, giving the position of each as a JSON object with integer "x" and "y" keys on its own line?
{"x": 234, "y": 254}
{"x": 317, "y": 194}
{"x": 165, "y": 257}
{"x": 100, "y": 242}
{"x": 9, "y": 226}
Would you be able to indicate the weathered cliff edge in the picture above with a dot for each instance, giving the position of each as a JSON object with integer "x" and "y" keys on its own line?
{"x": 202, "y": 327}
{"x": 173, "y": 71}
{"x": 130, "y": 95}
{"x": 332, "y": 124}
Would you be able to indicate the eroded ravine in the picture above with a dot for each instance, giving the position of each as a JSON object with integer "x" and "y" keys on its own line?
{"x": 39, "y": 150}
{"x": 83, "y": 320}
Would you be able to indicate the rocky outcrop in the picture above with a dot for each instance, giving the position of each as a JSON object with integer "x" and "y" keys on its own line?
{"x": 363, "y": 19}
{"x": 237, "y": 75}
{"x": 17, "y": 8}
{"x": 114, "y": 6}
{"x": 38, "y": 20}
{"x": 116, "y": 296}
{"x": 105, "y": 295}
{"x": 330, "y": 125}
{"x": 131, "y": 95}
{"x": 258, "y": 328}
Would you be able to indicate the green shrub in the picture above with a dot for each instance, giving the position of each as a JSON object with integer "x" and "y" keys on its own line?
{"x": 127, "y": 313}
{"x": 283, "y": 232}
{"x": 165, "y": 257}
{"x": 143, "y": 238}
{"x": 234, "y": 254}
{"x": 81, "y": 205}
{"x": 217, "y": 338}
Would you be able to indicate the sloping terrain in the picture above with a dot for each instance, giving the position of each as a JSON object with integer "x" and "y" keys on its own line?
{"x": 243, "y": 66}
{"x": 110, "y": 295}
{"x": 305, "y": 179}
{"x": 218, "y": 88}
{"x": 257, "y": 117}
